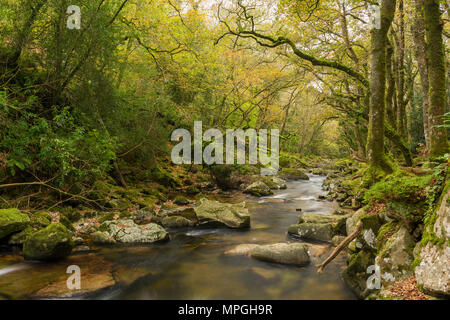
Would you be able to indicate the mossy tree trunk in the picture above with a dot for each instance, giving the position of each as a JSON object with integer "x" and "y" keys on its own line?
{"x": 436, "y": 78}
{"x": 418, "y": 31}
{"x": 375, "y": 144}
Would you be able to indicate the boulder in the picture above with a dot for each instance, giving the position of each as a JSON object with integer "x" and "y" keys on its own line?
{"x": 312, "y": 231}
{"x": 241, "y": 250}
{"x": 285, "y": 253}
{"x": 356, "y": 274}
{"x": 51, "y": 243}
{"x": 12, "y": 220}
{"x": 258, "y": 189}
{"x": 338, "y": 223}
{"x": 293, "y": 174}
{"x": 280, "y": 183}
{"x": 396, "y": 256}
{"x": 102, "y": 238}
{"x": 433, "y": 272}
{"x": 143, "y": 216}
{"x": 177, "y": 222}
{"x": 181, "y": 200}
{"x": 214, "y": 213}
{"x": 126, "y": 231}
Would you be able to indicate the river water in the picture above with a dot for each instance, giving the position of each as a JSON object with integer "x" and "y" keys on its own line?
{"x": 192, "y": 265}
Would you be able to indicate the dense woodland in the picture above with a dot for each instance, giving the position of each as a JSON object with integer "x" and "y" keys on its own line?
{"x": 86, "y": 109}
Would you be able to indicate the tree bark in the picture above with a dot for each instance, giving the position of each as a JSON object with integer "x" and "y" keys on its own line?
{"x": 375, "y": 144}
{"x": 436, "y": 78}
{"x": 418, "y": 31}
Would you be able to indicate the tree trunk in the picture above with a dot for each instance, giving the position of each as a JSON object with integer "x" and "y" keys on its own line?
{"x": 375, "y": 144}
{"x": 418, "y": 31}
{"x": 436, "y": 78}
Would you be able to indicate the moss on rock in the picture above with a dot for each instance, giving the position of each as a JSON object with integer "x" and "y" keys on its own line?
{"x": 12, "y": 220}
{"x": 51, "y": 243}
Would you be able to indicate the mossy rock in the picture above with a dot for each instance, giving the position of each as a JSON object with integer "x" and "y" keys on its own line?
{"x": 181, "y": 200}
{"x": 51, "y": 243}
{"x": 312, "y": 231}
{"x": 163, "y": 177}
{"x": 12, "y": 220}
{"x": 293, "y": 174}
{"x": 258, "y": 189}
{"x": 355, "y": 274}
{"x": 66, "y": 222}
{"x": 17, "y": 239}
{"x": 40, "y": 219}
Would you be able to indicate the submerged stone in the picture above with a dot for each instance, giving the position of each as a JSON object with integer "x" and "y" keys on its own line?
{"x": 285, "y": 253}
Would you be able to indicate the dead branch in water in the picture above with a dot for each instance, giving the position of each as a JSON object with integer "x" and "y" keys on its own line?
{"x": 339, "y": 248}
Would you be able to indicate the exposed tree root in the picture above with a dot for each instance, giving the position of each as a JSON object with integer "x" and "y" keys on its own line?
{"x": 339, "y": 248}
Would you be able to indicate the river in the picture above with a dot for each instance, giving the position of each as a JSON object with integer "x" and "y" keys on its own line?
{"x": 192, "y": 265}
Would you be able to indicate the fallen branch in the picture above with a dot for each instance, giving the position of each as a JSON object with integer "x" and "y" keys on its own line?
{"x": 339, "y": 248}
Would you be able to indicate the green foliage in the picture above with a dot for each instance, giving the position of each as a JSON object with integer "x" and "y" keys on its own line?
{"x": 58, "y": 148}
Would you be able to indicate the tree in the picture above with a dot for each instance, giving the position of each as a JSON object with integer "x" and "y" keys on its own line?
{"x": 436, "y": 78}
{"x": 375, "y": 143}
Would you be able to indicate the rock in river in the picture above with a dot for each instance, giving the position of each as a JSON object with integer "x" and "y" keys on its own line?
{"x": 51, "y": 243}
{"x": 214, "y": 213}
{"x": 286, "y": 253}
{"x": 258, "y": 189}
{"x": 126, "y": 231}
{"x": 312, "y": 231}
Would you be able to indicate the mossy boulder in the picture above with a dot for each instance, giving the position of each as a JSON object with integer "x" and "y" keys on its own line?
{"x": 11, "y": 221}
{"x": 17, "y": 239}
{"x": 102, "y": 238}
{"x": 40, "y": 219}
{"x": 355, "y": 275}
{"x": 396, "y": 256}
{"x": 214, "y": 213}
{"x": 433, "y": 269}
{"x": 51, "y": 243}
{"x": 258, "y": 189}
{"x": 338, "y": 223}
{"x": 181, "y": 200}
{"x": 293, "y": 174}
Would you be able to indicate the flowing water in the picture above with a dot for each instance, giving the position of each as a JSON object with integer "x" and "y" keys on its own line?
{"x": 193, "y": 265}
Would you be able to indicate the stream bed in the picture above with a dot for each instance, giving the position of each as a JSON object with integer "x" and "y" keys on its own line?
{"x": 192, "y": 265}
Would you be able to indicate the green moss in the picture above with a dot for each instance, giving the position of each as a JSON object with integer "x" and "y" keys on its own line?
{"x": 181, "y": 200}
{"x": 12, "y": 220}
{"x": 51, "y": 243}
{"x": 40, "y": 219}
{"x": 399, "y": 186}
{"x": 385, "y": 232}
{"x": 66, "y": 222}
